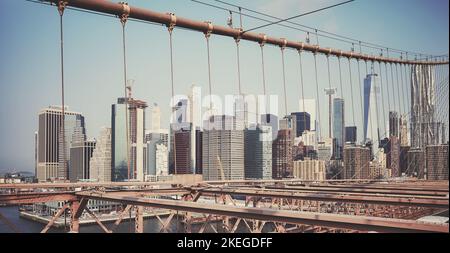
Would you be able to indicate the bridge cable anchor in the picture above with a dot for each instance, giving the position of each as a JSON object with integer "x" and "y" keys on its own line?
{"x": 172, "y": 22}
{"x": 125, "y": 13}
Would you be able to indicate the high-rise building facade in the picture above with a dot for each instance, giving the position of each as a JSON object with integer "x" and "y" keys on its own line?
{"x": 128, "y": 149}
{"x": 52, "y": 160}
{"x": 156, "y": 117}
{"x": 325, "y": 149}
{"x": 416, "y": 163}
{"x": 157, "y": 148}
{"x": 223, "y": 150}
{"x": 301, "y": 122}
{"x": 393, "y": 160}
{"x": 350, "y": 134}
{"x": 309, "y": 106}
{"x": 372, "y": 100}
{"x": 282, "y": 154}
{"x": 100, "y": 162}
{"x": 272, "y": 121}
{"x": 180, "y": 154}
{"x": 437, "y": 162}
{"x": 258, "y": 152}
{"x": 393, "y": 124}
{"x": 338, "y": 126}
{"x": 356, "y": 162}
{"x": 404, "y": 142}
{"x": 309, "y": 170}
{"x": 80, "y": 156}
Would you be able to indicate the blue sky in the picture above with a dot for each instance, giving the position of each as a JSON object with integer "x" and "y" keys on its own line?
{"x": 29, "y": 55}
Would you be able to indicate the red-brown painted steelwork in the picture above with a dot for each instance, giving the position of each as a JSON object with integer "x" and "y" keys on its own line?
{"x": 204, "y": 27}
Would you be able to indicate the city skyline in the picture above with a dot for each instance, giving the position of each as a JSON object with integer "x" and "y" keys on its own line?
{"x": 80, "y": 80}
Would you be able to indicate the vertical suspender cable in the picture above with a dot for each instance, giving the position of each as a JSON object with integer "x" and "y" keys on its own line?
{"x": 302, "y": 87}
{"x": 123, "y": 21}
{"x": 62, "y": 153}
{"x": 361, "y": 95}
{"x": 284, "y": 81}
{"x": 170, "y": 29}
{"x": 381, "y": 91}
{"x": 392, "y": 85}
{"x": 330, "y": 108}
{"x": 351, "y": 90}
{"x": 398, "y": 91}
{"x": 376, "y": 107}
{"x": 317, "y": 94}
{"x": 264, "y": 83}
{"x": 387, "y": 88}
{"x": 238, "y": 65}
{"x": 405, "y": 108}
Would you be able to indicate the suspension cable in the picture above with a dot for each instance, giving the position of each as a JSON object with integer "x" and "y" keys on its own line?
{"x": 398, "y": 91}
{"x": 361, "y": 95}
{"x": 123, "y": 21}
{"x": 387, "y": 87}
{"x": 170, "y": 28}
{"x": 405, "y": 108}
{"x": 237, "y": 39}
{"x": 61, "y": 7}
{"x": 381, "y": 88}
{"x": 392, "y": 85}
{"x": 330, "y": 109}
{"x": 340, "y": 77}
{"x": 376, "y": 91}
{"x": 351, "y": 90}
{"x": 302, "y": 87}
{"x": 284, "y": 79}
{"x": 317, "y": 94}
{"x": 261, "y": 44}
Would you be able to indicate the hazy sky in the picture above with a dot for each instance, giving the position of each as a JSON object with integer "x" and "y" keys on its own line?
{"x": 29, "y": 55}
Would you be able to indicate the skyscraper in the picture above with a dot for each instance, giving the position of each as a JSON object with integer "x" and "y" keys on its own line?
{"x": 416, "y": 163}
{"x": 301, "y": 122}
{"x": 272, "y": 121}
{"x": 310, "y": 107}
{"x": 393, "y": 124}
{"x": 372, "y": 100}
{"x": 128, "y": 158}
{"x": 393, "y": 157}
{"x": 309, "y": 170}
{"x": 100, "y": 162}
{"x": 258, "y": 152}
{"x": 223, "y": 149}
{"x": 356, "y": 162}
{"x": 80, "y": 156}
{"x": 404, "y": 131}
{"x": 282, "y": 154}
{"x": 157, "y": 146}
{"x": 338, "y": 126}
{"x": 437, "y": 162}
{"x": 350, "y": 134}
{"x": 52, "y": 161}
{"x": 180, "y": 151}
{"x": 156, "y": 117}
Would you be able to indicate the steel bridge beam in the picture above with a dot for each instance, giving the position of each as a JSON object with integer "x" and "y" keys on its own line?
{"x": 379, "y": 200}
{"x": 168, "y": 19}
{"x": 318, "y": 219}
